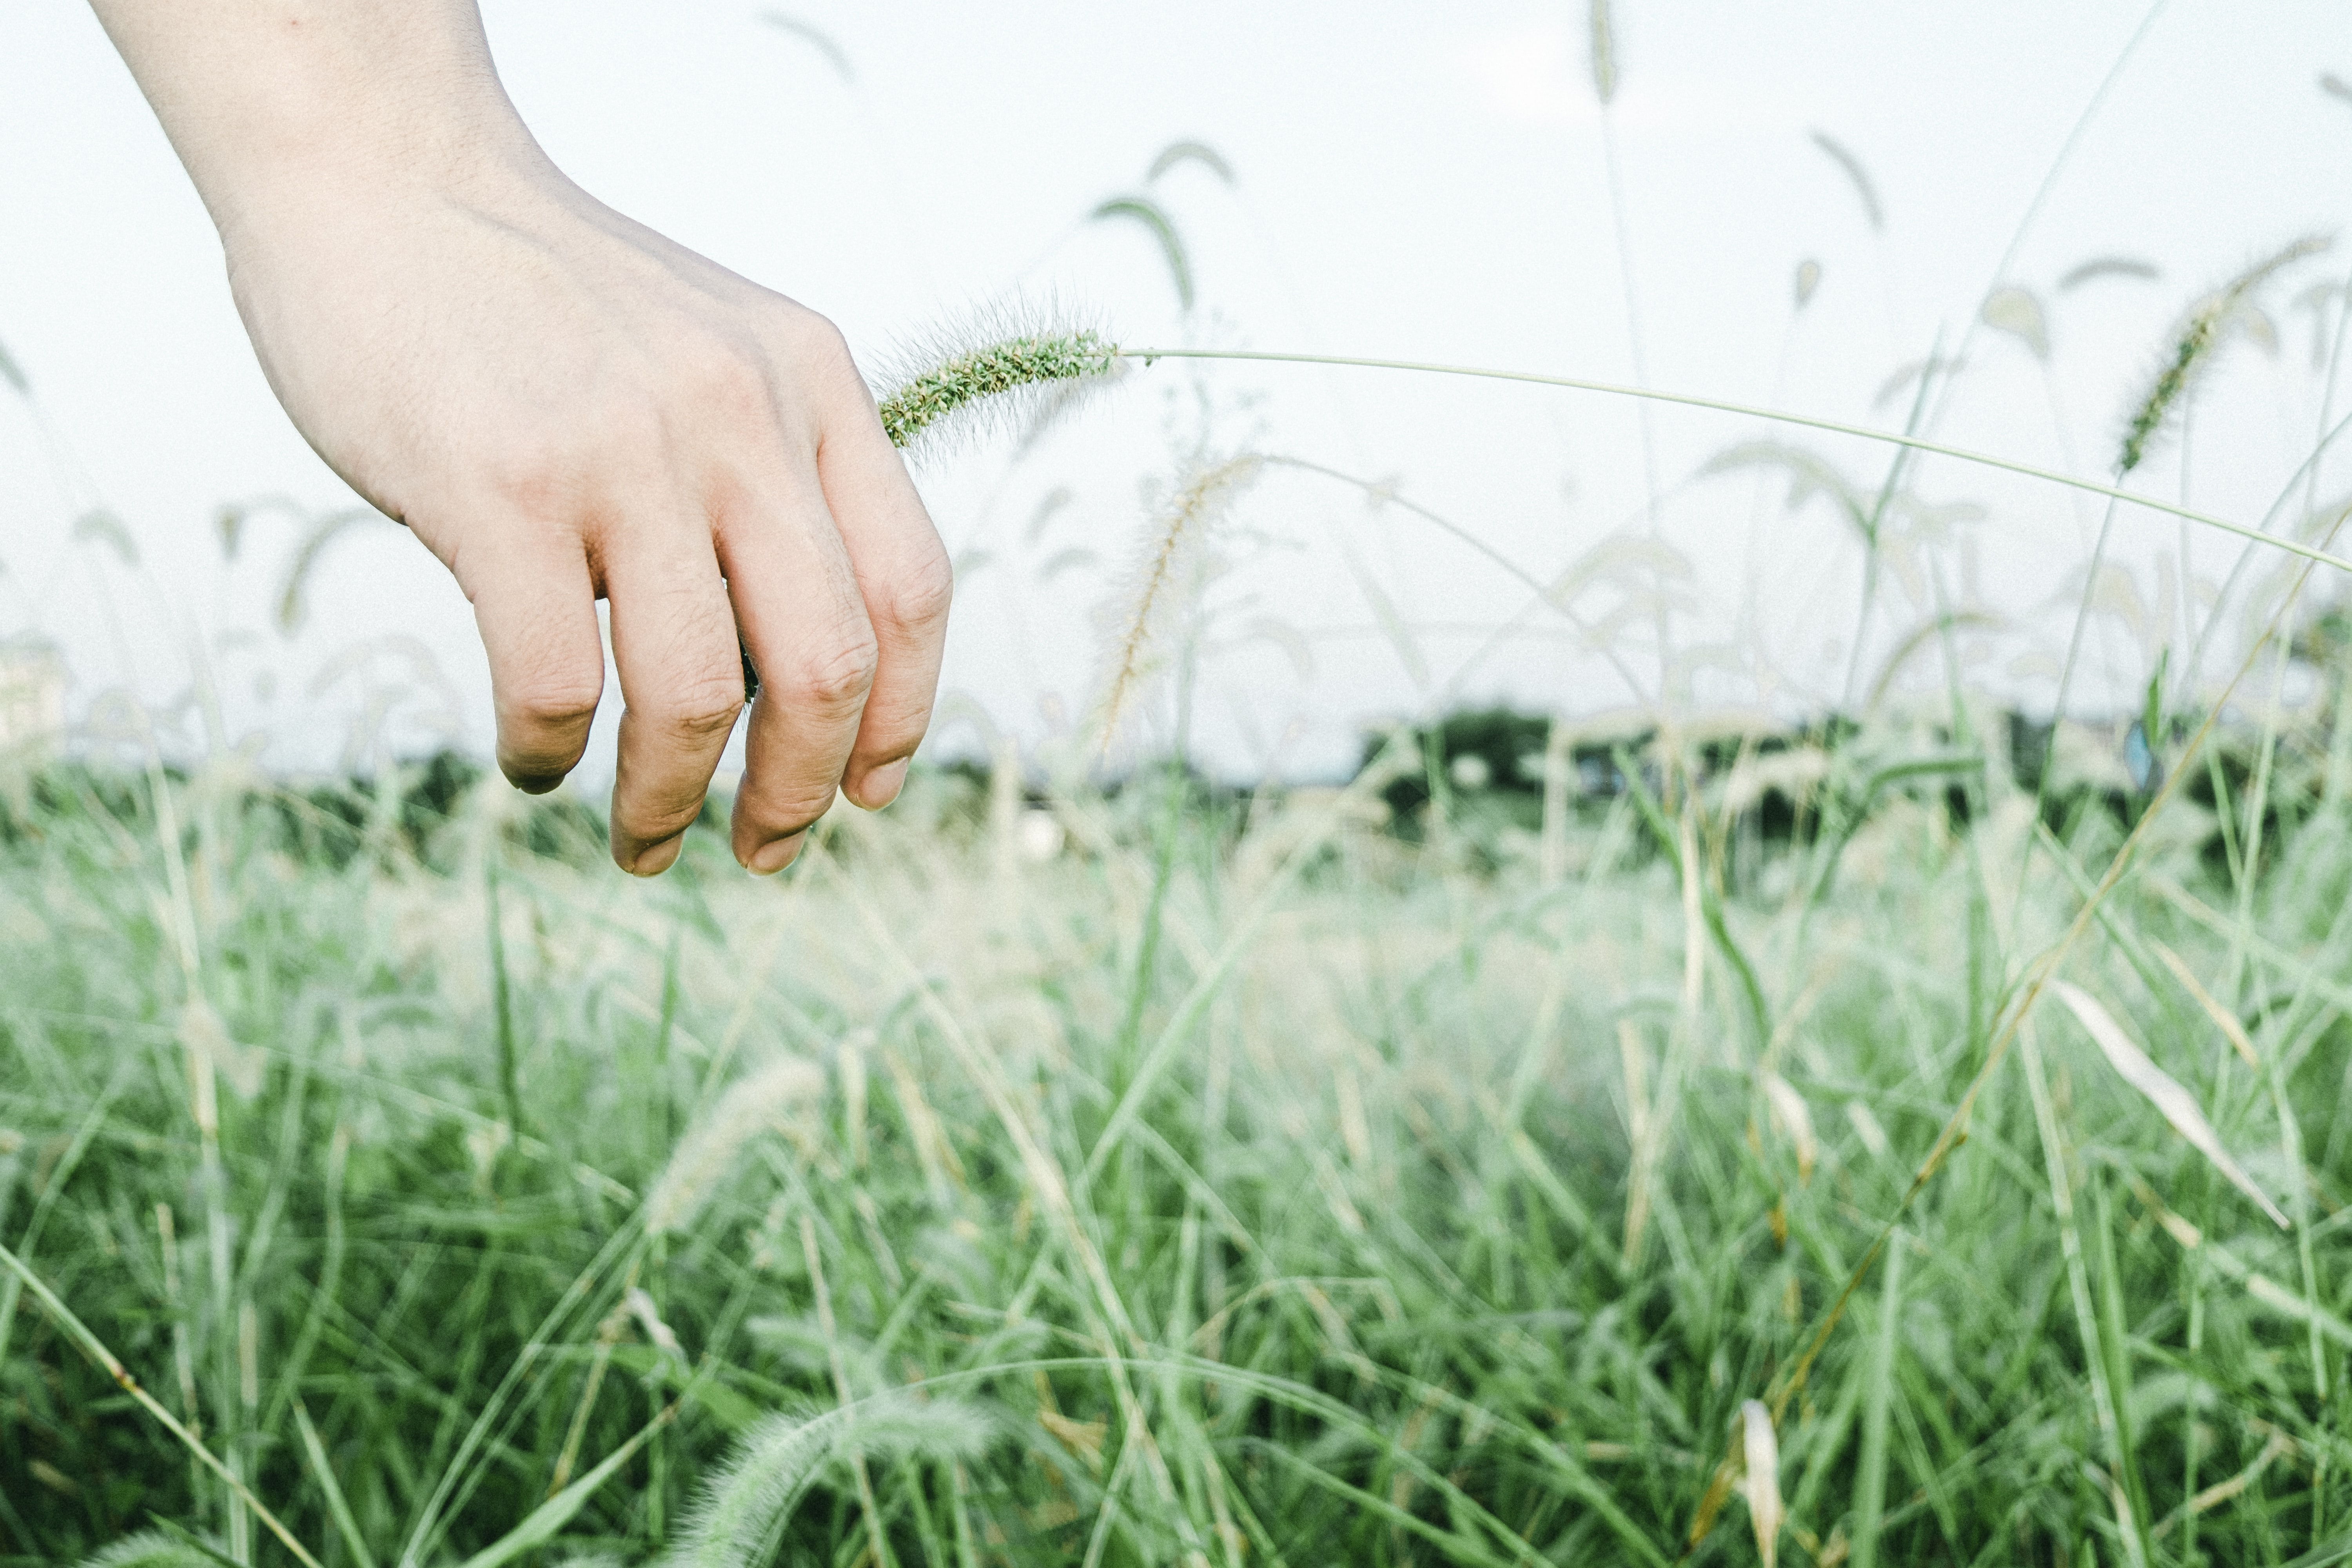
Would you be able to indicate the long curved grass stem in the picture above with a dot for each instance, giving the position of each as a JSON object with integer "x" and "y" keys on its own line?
{"x": 1720, "y": 405}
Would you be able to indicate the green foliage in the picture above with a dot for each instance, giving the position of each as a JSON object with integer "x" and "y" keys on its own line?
{"x": 1319, "y": 1250}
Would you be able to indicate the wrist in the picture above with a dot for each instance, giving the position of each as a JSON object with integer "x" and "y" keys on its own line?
{"x": 279, "y": 108}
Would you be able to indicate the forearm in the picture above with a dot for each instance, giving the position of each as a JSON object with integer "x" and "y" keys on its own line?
{"x": 271, "y": 101}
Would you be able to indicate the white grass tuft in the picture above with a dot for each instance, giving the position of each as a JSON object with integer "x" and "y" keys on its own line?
{"x": 1165, "y": 575}
{"x": 751, "y": 1106}
{"x": 148, "y": 1549}
{"x": 748, "y": 1502}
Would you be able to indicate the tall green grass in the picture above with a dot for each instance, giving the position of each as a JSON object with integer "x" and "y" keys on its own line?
{"x": 1862, "y": 1147}
{"x": 1243, "y": 1183}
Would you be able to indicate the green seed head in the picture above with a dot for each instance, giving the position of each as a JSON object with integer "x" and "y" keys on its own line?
{"x": 982, "y": 379}
{"x": 2208, "y": 322}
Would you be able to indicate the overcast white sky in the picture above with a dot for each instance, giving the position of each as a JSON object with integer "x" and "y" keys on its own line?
{"x": 1413, "y": 181}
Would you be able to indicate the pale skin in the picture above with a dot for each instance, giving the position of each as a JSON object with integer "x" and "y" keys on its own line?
{"x": 563, "y": 406}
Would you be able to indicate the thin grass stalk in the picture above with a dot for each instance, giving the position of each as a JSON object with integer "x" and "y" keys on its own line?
{"x": 608, "y": 1335}
{"x": 2115, "y": 1343}
{"x": 966, "y": 1548}
{"x": 2066, "y": 686}
{"x": 1101, "y": 1301}
{"x": 2290, "y": 1130}
{"x": 184, "y": 1363}
{"x": 877, "y": 1538}
{"x": 1983, "y": 944}
{"x": 1789, "y": 1382}
{"x": 1870, "y": 1478}
{"x": 1621, "y": 225}
{"x": 1643, "y": 1185}
{"x": 323, "y": 1472}
{"x": 1553, "y": 863}
{"x": 1161, "y": 1053}
{"x": 85, "y": 1133}
{"x": 1387, "y": 495}
{"x": 431, "y": 1519}
{"x": 330, "y": 1274}
{"x": 1887, "y": 493}
{"x": 2193, "y": 1279}
{"x": 1983, "y": 459}
{"x": 501, "y": 994}
{"x": 180, "y": 922}
{"x": 2005, "y": 267}
{"x": 90, "y": 1345}
{"x": 2055, "y": 1159}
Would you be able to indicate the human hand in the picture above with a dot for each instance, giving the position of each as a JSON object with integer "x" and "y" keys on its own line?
{"x": 564, "y": 406}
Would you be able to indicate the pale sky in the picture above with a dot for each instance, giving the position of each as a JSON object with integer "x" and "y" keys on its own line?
{"x": 1411, "y": 182}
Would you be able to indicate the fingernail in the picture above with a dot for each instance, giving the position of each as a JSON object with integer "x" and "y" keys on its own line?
{"x": 772, "y": 858}
{"x": 881, "y": 786}
{"x": 653, "y": 860}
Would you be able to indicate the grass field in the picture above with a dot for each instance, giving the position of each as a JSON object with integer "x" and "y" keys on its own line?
{"x": 1863, "y": 1146}
{"x": 1241, "y": 1182}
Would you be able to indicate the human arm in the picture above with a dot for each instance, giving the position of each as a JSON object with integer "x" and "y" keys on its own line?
{"x": 561, "y": 405}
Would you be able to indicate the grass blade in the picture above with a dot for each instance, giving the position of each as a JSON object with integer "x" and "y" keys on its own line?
{"x": 2160, "y": 1089}
{"x": 315, "y": 1453}
{"x": 1879, "y": 1395}
{"x": 557, "y": 1511}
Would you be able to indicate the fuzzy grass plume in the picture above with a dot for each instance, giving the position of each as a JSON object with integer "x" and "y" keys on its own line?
{"x": 751, "y": 1106}
{"x": 1604, "y": 54}
{"x": 2192, "y": 348}
{"x": 1169, "y": 557}
{"x": 745, "y": 1504}
{"x": 1011, "y": 366}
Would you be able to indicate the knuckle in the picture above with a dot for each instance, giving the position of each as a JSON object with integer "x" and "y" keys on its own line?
{"x": 552, "y": 702}
{"x": 776, "y": 813}
{"x": 837, "y": 675}
{"x": 820, "y": 337}
{"x": 534, "y": 473}
{"x": 651, "y": 823}
{"x": 730, "y": 385}
{"x": 701, "y": 712}
{"x": 917, "y": 598}
{"x": 823, "y": 352}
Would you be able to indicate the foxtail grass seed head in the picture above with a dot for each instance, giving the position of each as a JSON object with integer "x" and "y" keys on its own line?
{"x": 2192, "y": 350}
{"x": 749, "y": 1497}
{"x": 703, "y": 1157}
{"x": 1604, "y": 54}
{"x": 1160, "y": 583}
{"x": 1016, "y": 368}
{"x": 149, "y": 1549}
{"x": 1003, "y": 367}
